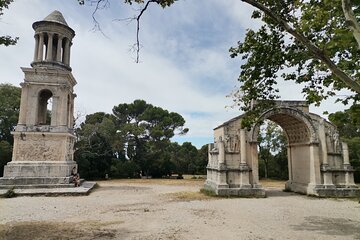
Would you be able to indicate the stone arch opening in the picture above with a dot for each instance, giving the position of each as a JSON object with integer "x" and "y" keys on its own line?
{"x": 44, "y": 107}
{"x": 272, "y": 152}
{"x": 300, "y": 134}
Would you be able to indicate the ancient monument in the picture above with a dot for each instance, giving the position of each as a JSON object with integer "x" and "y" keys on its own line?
{"x": 44, "y": 136}
{"x": 318, "y": 161}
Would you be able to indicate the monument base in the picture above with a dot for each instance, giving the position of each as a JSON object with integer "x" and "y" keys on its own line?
{"x": 323, "y": 190}
{"x": 246, "y": 191}
{"x": 37, "y": 173}
{"x": 42, "y": 178}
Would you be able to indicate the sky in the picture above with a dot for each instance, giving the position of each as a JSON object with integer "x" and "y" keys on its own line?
{"x": 184, "y": 66}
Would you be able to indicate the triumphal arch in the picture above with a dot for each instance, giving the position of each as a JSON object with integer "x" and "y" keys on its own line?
{"x": 318, "y": 161}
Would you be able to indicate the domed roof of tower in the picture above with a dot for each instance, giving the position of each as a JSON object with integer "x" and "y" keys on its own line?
{"x": 56, "y": 16}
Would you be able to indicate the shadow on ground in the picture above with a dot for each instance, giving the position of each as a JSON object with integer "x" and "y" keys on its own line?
{"x": 276, "y": 192}
{"x": 59, "y": 230}
{"x": 330, "y": 226}
{"x": 117, "y": 188}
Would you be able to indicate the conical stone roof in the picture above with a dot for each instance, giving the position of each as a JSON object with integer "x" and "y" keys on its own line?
{"x": 56, "y": 16}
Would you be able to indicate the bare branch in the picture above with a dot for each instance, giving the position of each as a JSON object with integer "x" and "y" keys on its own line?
{"x": 316, "y": 51}
{"x": 138, "y": 27}
{"x": 100, "y": 4}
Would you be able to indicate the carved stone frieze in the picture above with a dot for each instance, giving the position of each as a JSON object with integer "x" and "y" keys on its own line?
{"x": 41, "y": 147}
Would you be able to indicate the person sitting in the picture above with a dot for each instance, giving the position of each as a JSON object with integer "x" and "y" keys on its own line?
{"x": 76, "y": 180}
{"x": 75, "y": 177}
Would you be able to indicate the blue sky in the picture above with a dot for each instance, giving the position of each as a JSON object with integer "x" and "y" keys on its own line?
{"x": 185, "y": 65}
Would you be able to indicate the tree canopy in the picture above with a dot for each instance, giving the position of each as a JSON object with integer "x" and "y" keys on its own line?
{"x": 134, "y": 140}
{"x": 6, "y": 40}
{"x": 9, "y": 113}
{"x": 9, "y": 110}
{"x": 273, "y": 161}
{"x": 348, "y": 125}
{"x": 307, "y": 42}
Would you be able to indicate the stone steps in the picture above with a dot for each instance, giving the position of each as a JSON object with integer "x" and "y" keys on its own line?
{"x": 84, "y": 189}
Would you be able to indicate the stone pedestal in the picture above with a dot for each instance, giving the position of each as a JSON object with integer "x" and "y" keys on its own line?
{"x": 40, "y": 159}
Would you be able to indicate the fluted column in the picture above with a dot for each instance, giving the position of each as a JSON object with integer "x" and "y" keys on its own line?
{"x": 58, "y": 50}
{"x": 23, "y": 104}
{"x": 242, "y": 146}
{"x": 36, "y": 47}
{"x": 49, "y": 47}
{"x": 345, "y": 153}
{"x": 41, "y": 47}
{"x": 66, "y": 59}
{"x": 62, "y": 110}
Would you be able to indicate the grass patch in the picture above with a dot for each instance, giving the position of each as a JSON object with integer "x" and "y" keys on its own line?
{"x": 208, "y": 192}
{"x": 9, "y": 193}
{"x": 266, "y": 183}
{"x": 153, "y": 181}
{"x": 192, "y": 196}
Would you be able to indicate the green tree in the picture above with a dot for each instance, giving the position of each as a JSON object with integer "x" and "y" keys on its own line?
{"x": 93, "y": 149}
{"x": 347, "y": 122}
{"x": 5, "y": 155}
{"x": 6, "y": 40}
{"x": 307, "y": 42}
{"x": 136, "y": 137}
{"x": 272, "y": 152}
{"x": 348, "y": 125}
{"x": 186, "y": 159}
{"x": 9, "y": 113}
{"x": 9, "y": 110}
{"x": 203, "y": 159}
{"x": 93, "y": 157}
{"x": 147, "y": 130}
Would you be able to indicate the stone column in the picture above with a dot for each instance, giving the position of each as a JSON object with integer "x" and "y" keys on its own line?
{"x": 221, "y": 171}
{"x": 242, "y": 146}
{"x": 244, "y": 168}
{"x": 63, "y": 120}
{"x": 349, "y": 176}
{"x": 54, "y": 110}
{"x": 58, "y": 49}
{"x": 36, "y": 47}
{"x": 314, "y": 166}
{"x": 49, "y": 47}
{"x": 71, "y": 113}
{"x": 327, "y": 175}
{"x": 23, "y": 104}
{"x": 41, "y": 47}
{"x": 66, "y": 57}
{"x": 322, "y": 138}
{"x": 289, "y": 162}
{"x": 221, "y": 148}
{"x": 345, "y": 150}
{"x": 255, "y": 164}
{"x": 289, "y": 182}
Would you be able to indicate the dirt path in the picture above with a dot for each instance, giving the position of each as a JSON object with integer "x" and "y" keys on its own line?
{"x": 174, "y": 209}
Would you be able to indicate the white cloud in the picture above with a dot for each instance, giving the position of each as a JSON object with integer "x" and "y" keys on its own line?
{"x": 185, "y": 65}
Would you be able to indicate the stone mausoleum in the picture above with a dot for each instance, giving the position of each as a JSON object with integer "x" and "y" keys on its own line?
{"x": 318, "y": 162}
{"x": 44, "y": 136}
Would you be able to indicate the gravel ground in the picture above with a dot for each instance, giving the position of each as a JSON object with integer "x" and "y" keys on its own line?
{"x": 174, "y": 209}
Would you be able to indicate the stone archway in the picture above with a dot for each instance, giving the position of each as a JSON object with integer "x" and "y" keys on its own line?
{"x": 318, "y": 161}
